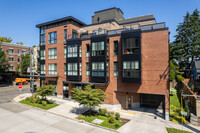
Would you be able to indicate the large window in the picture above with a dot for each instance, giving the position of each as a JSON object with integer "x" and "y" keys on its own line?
{"x": 130, "y": 46}
{"x": 98, "y": 48}
{"x": 98, "y": 69}
{"x": 72, "y": 51}
{"x": 11, "y": 67}
{"x": 115, "y": 48}
{"x": 53, "y": 53}
{"x": 72, "y": 69}
{"x": 65, "y": 52}
{"x": 87, "y": 69}
{"x": 42, "y": 69}
{"x": 42, "y": 36}
{"x": 52, "y": 37}
{"x": 65, "y": 68}
{"x": 10, "y": 51}
{"x": 42, "y": 55}
{"x": 131, "y": 69}
{"x": 52, "y": 69}
{"x": 11, "y": 59}
{"x": 80, "y": 68}
{"x": 115, "y": 69}
{"x": 65, "y": 33}
{"x": 87, "y": 50}
{"x": 18, "y": 51}
{"x": 23, "y": 51}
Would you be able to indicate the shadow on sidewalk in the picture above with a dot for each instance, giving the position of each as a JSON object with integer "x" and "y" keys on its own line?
{"x": 79, "y": 110}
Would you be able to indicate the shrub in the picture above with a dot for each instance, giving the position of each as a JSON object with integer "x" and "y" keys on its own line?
{"x": 187, "y": 110}
{"x": 50, "y": 101}
{"x": 117, "y": 116}
{"x": 38, "y": 100}
{"x": 110, "y": 113}
{"x": 32, "y": 99}
{"x": 111, "y": 119}
{"x": 27, "y": 99}
{"x": 102, "y": 112}
{"x": 44, "y": 103}
{"x": 117, "y": 125}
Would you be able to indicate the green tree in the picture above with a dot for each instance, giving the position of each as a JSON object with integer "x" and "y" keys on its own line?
{"x": 174, "y": 71}
{"x": 25, "y": 63}
{"x": 88, "y": 97}
{"x": 186, "y": 46}
{"x": 45, "y": 91}
{"x": 3, "y": 62}
{"x": 20, "y": 43}
{"x": 5, "y": 39}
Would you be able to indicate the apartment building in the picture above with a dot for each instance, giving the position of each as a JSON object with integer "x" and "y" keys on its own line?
{"x": 127, "y": 58}
{"x": 13, "y": 54}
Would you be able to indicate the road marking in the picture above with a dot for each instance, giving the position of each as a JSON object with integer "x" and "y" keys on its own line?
{"x": 125, "y": 112}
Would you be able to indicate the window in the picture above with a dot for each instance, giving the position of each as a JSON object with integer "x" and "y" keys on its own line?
{"x": 52, "y": 37}
{"x": 72, "y": 51}
{"x": 99, "y": 31}
{"x": 42, "y": 69}
{"x": 10, "y": 51}
{"x": 23, "y": 51}
{"x": 65, "y": 33}
{"x": 11, "y": 67}
{"x": 51, "y": 82}
{"x": 52, "y": 69}
{"x": 65, "y": 68}
{"x": 131, "y": 69}
{"x": 18, "y": 51}
{"x": 115, "y": 69}
{"x": 18, "y": 59}
{"x": 72, "y": 69}
{"x": 80, "y": 51}
{"x": 87, "y": 69}
{"x": 65, "y": 52}
{"x": 98, "y": 69}
{"x": 11, "y": 59}
{"x": 87, "y": 50}
{"x": 98, "y": 48}
{"x": 42, "y": 36}
{"x": 115, "y": 48}
{"x": 42, "y": 55}
{"x": 53, "y": 53}
{"x": 80, "y": 68}
{"x": 130, "y": 46}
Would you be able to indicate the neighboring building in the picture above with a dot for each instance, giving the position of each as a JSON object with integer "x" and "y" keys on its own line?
{"x": 13, "y": 55}
{"x": 127, "y": 58}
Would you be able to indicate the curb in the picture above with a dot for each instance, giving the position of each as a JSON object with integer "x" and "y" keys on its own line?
{"x": 80, "y": 121}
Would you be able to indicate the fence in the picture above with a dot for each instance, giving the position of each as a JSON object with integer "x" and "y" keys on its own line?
{"x": 195, "y": 102}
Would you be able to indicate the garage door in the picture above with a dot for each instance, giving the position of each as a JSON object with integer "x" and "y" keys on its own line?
{"x": 153, "y": 101}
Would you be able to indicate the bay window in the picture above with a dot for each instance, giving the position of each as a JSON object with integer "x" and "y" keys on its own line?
{"x": 98, "y": 48}
{"x": 72, "y": 69}
{"x": 131, "y": 69}
{"x": 98, "y": 69}
{"x": 72, "y": 50}
{"x": 130, "y": 46}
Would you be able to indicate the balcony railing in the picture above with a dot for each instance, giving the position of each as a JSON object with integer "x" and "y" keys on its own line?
{"x": 73, "y": 36}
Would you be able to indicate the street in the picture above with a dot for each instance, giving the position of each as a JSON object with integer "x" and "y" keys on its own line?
{"x": 15, "y": 117}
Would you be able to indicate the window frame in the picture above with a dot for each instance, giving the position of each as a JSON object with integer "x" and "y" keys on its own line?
{"x": 73, "y": 52}
{"x": 72, "y": 68}
{"x": 96, "y": 69}
{"x": 54, "y": 55}
{"x": 42, "y": 56}
{"x": 129, "y": 70}
{"x": 42, "y": 68}
{"x": 115, "y": 47}
{"x": 116, "y": 69}
{"x": 130, "y": 46}
{"x": 53, "y": 37}
{"x": 54, "y": 70}
{"x": 98, "y": 48}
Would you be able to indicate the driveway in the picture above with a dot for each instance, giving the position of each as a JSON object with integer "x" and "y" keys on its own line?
{"x": 143, "y": 124}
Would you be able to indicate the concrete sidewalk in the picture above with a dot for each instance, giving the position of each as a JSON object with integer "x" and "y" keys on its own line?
{"x": 140, "y": 121}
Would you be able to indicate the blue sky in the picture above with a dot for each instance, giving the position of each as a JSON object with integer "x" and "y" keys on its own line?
{"x": 19, "y": 17}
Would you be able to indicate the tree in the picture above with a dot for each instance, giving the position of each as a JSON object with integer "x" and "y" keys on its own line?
{"x": 5, "y": 39}
{"x": 3, "y": 62}
{"x": 186, "y": 47}
{"x": 25, "y": 63}
{"x": 20, "y": 43}
{"x": 174, "y": 71}
{"x": 45, "y": 90}
{"x": 88, "y": 97}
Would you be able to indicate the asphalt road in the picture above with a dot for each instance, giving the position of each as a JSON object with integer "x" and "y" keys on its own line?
{"x": 18, "y": 118}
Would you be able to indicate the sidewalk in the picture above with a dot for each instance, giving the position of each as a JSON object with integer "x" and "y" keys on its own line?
{"x": 139, "y": 120}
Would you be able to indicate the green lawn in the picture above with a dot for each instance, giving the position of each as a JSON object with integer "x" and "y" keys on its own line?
{"x": 174, "y": 100}
{"x": 48, "y": 106}
{"x": 173, "y": 130}
{"x": 105, "y": 123}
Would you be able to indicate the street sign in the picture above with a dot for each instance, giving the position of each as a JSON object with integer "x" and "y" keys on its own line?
{"x": 20, "y": 86}
{"x": 184, "y": 113}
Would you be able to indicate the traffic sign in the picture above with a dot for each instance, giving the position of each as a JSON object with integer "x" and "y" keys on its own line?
{"x": 20, "y": 86}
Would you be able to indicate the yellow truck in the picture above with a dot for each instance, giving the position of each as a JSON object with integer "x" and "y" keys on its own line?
{"x": 21, "y": 81}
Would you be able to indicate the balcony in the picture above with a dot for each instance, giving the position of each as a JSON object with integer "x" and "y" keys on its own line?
{"x": 73, "y": 36}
